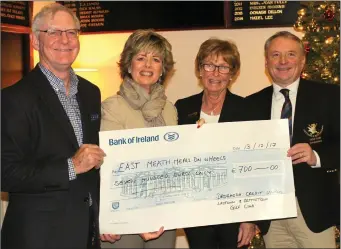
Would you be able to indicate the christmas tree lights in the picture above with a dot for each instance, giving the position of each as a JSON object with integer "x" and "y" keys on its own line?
{"x": 320, "y": 22}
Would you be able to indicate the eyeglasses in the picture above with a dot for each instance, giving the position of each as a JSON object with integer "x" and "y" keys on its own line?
{"x": 212, "y": 68}
{"x": 56, "y": 33}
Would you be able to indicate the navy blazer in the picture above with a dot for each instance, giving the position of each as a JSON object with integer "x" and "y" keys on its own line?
{"x": 316, "y": 122}
{"x": 45, "y": 209}
{"x": 189, "y": 108}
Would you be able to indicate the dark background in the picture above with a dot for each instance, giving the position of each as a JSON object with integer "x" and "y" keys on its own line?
{"x": 180, "y": 15}
{"x": 14, "y": 21}
{"x": 131, "y": 15}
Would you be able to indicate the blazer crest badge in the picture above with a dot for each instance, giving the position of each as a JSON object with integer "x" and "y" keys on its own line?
{"x": 192, "y": 115}
{"x": 314, "y": 132}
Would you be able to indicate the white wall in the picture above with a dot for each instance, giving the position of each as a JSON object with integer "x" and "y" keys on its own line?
{"x": 103, "y": 51}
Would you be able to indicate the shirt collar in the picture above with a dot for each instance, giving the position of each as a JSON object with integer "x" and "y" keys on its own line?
{"x": 58, "y": 84}
{"x": 292, "y": 87}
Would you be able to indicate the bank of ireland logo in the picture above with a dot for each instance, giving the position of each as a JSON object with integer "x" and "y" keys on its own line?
{"x": 115, "y": 205}
{"x": 171, "y": 136}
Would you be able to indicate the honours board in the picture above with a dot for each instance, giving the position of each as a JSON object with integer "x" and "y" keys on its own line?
{"x": 250, "y": 14}
{"x": 15, "y": 13}
{"x": 106, "y": 16}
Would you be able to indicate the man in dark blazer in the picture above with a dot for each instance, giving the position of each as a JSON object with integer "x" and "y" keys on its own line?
{"x": 49, "y": 144}
{"x": 315, "y": 150}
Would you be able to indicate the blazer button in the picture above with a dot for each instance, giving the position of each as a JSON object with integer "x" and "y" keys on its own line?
{"x": 86, "y": 199}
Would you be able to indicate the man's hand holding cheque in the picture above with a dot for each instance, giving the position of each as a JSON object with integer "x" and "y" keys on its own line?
{"x": 302, "y": 153}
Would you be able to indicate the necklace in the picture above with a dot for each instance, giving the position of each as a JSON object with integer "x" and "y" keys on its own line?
{"x": 211, "y": 112}
{"x": 215, "y": 108}
{"x": 220, "y": 101}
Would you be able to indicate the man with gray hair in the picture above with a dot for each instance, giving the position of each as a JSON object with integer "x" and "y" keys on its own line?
{"x": 50, "y": 156}
{"x": 313, "y": 113}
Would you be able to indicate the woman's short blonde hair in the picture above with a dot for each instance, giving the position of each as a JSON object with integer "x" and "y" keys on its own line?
{"x": 148, "y": 41}
{"x": 215, "y": 47}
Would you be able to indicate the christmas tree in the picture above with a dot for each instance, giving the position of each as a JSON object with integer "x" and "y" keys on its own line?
{"x": 320, "y": 22}
{"x": 257, "y": 242}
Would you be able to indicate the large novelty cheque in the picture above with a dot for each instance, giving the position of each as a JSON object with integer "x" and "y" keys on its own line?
{"x": 181, "y": 176}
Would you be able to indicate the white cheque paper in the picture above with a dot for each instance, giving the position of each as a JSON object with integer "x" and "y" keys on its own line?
{"x": 181, "y": 176}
